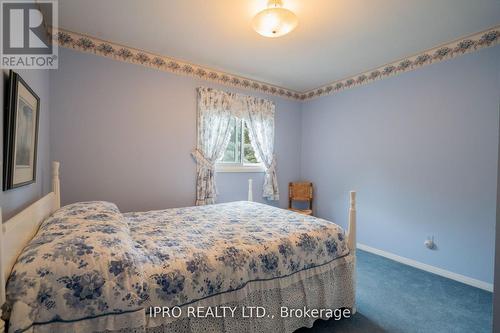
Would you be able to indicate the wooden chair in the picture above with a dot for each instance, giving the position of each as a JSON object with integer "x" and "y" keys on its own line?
{"x": 300, "y": 191}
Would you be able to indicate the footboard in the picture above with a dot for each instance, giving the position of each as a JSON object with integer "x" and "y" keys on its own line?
{"x": 351, "y": 229}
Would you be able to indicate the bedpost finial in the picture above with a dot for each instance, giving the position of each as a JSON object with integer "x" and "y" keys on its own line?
{"x": 250, "y": 191}
{"x": 55, "y": 169}
{"x": 351, "y": 234}
{"x": 56, "y": 184}
{"x": 353, "y": 199}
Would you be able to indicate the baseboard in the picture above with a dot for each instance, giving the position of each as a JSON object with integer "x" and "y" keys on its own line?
{"x": 432, "y": 269}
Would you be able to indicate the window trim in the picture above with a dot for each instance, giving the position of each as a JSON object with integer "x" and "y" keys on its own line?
{"x": 239, "y": 167}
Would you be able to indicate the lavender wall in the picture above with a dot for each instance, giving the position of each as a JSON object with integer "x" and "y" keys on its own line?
{"x": 124, "y": 133}
{"x": 14, "y": 200}
{"x": 421, "y": 150}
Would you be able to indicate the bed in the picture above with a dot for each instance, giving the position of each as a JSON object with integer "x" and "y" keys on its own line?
{"x": 233, "y": 267}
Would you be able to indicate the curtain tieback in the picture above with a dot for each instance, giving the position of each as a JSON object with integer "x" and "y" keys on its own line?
{"x": 272, "y": 167}
{"x": 201, "y": 159}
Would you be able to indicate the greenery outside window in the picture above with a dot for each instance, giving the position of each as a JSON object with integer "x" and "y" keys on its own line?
{"x": 240, "y": 155}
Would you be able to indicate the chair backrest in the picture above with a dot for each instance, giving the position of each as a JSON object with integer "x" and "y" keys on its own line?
{"x": 300, "y": 191}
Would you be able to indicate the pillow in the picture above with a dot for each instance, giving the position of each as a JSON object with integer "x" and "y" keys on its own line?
{"x": 87, "y": 214}
{"x": 80, "y": 258}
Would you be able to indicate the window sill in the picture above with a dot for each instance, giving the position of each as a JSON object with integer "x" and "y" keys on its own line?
{"x": 239, "y": 168}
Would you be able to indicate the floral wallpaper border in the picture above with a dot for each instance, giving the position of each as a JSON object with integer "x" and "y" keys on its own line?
{"x": 100, "y": 47}
{"x": 450, "y": 50}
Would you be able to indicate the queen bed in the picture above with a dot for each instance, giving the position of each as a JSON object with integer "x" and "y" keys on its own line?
{"x": 231, "y": 267}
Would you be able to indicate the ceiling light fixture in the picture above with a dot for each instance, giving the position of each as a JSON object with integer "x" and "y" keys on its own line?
{"x": 275, "y": 21}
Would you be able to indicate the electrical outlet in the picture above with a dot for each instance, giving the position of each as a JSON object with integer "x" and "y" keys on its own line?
{"x": 429, "y": 243}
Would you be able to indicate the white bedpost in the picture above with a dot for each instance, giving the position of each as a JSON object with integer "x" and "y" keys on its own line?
{"x": 2, "y": 274}
{"x": 351, "y": 233}
{"x": 56, "y": 184}
{"x": 250, "y": 192}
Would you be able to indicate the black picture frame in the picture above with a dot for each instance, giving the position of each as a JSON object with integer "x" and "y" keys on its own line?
{"x": 20, "y": 133}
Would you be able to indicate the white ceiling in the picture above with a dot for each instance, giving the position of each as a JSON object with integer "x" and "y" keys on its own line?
{"x": 334, "y": 39}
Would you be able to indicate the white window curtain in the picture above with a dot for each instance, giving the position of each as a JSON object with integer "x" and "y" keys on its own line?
{"x": 214, "y": 125}
{"x": 260, "y": 121}
{"x": 217, "y": 111}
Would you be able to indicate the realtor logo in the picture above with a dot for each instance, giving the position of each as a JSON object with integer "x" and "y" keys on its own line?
{"x": 25, "y": 39}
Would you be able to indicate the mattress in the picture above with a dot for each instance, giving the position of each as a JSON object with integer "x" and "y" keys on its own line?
{"x": 91, "y": 268}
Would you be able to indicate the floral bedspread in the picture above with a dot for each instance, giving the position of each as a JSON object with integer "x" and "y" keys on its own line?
{"x": 89, "y": 260}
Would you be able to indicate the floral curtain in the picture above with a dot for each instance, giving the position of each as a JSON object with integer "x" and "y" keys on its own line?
{"x": 215, "y": 123}
{"x": 260, "y": 121}
{"x": 217, "y": 111}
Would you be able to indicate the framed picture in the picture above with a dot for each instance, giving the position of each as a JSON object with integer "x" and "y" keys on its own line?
{"x": 21, "y": 133}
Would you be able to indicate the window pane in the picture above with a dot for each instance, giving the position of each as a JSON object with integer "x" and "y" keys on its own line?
{"x": 249, "y": 155}
{"x": 233, "y": 150}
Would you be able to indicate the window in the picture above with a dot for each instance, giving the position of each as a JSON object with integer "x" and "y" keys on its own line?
{"x": 239, "y": 155}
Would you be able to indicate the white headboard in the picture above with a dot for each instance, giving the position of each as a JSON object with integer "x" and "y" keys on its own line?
{"x": 20, "y": 229}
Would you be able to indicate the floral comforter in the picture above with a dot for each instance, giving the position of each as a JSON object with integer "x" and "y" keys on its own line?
{"x": 89, "y": 260}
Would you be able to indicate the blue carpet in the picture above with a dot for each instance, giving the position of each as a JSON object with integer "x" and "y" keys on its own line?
{"x": 392, "y": 297}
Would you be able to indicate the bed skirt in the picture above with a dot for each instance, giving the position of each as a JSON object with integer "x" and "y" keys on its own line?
{"x": 329, "y": 286}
